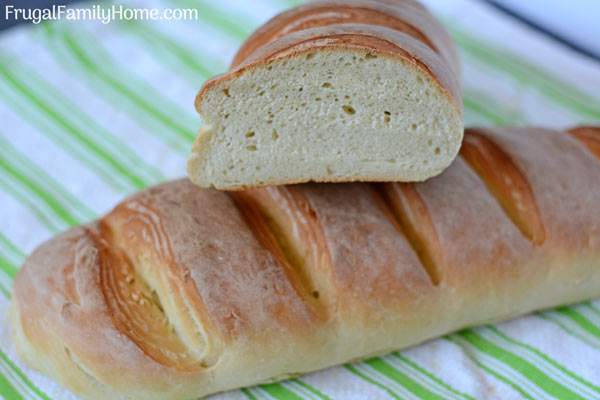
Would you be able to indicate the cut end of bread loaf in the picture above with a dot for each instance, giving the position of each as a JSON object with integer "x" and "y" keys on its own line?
{"x": 334, "y": 115}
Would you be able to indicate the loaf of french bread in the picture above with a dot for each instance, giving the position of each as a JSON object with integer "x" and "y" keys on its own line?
{"x": 332, "y": 91}
{"x": 181, "y": 292}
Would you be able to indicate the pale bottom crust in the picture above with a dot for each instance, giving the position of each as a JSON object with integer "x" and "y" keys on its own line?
{"x": 245, "y": 364}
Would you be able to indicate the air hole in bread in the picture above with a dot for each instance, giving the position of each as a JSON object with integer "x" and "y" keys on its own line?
{"x": 437, "y": 151}
{"x": 386, "y": 116}
{"x": 274, "y": 135}
{"x": 250, "y": 134}
{"x": 348, "y": 109}
{"x": 327, "y": 85}
{"x": 226, "y": 92}
{"x": 310, "y": 55}
{"x": 370, "y": 56}
{"x": 251, "y": 147}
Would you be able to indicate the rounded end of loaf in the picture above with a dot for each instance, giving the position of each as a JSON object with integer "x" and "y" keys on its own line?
{"x": 141, "y": 305}
{"x": 65, "y": 326}
{"x": 340, "y": 114}
{"x": 50, "y": 356}
{"x": 42, "y": 334}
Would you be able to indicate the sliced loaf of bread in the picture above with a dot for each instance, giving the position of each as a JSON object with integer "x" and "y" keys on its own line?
{"x": 333, "y": 91}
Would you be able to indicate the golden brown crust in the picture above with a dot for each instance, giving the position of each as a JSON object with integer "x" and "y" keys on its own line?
{"x": 274, "y": 238}
{"x": 404, "y": 16}
{"x": 212, "y": 214}
{"x": 135, "y": 309}
{"x": 177, "y": 239}
{"x": 413, "y": 218}
{"x": 64, "y": 318}
{"x": 302, "y": 277}
{"x": 506, "y": 182}
{"x": 589, "y": 136}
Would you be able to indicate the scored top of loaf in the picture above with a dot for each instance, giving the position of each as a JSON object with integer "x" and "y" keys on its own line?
{"x": 355, "y": 269}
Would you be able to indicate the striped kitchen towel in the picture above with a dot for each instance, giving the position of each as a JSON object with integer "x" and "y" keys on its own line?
{"x": 91, "y": 112}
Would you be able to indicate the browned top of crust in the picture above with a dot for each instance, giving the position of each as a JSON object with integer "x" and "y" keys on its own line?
{"x": 361, "y": 37}
{"x": 88, "y": 288}
{"x": 371, "y": 263}
{"x": 589, "y": 136}
{"x": 64, "y": 312}
{"x": 470, "y": 239}
{"x": 562, "y": 175}
{"x": 405, "y": 16}
{"x": 520, "y": 194}
{"x": 198, "y": 228}
{"x": 506, "y": 182}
